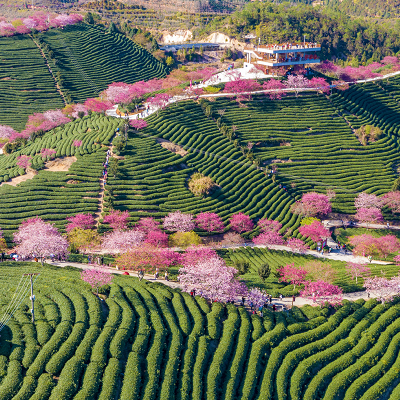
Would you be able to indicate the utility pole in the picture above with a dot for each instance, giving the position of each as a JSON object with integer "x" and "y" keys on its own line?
{"x": 32, "y": 295}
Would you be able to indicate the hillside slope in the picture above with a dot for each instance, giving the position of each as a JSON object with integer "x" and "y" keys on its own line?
{"x": 148, "y": 341}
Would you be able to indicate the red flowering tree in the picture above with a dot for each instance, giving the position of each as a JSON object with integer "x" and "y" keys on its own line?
{"x": 6, "y": 131}
{"x": 371, "y": 215}
{"x": 97, "y": 277}
{"x": 97, "y": 105}
{"x": 36, "y": 238}
{"x": 159, "y": 101}
{"x": 276, "y": 88}
{"x": 212, "y": 279}
{"x": 297, "y": 245}
{"x": 290, "y": 274}
{"x": 315, "y": 231}
{"x": 148, "y": 225}
{"x": 365, "y": 200}
{"x": 269, "y": 238}
{"x": 179, "y": 222}
{"x": 374, "y": 246}
{"x": 47, "y": 153}
{"x": 320, "y": 84}
{"x": 241, "y": 223}
{"x": 322, "y": 292}
{"x": 242, "y": 88}
{"x": 392, "y": 201}
{"x": 312, "y": 205}
{"x": 138, "y": 123}
{"x": 117, "y": 219}
{"x": 209, "y": 222}
{"x": 356, "y": 270}
{"x": 195, "y": 254}
{"x": 81, "y": 221}
{"x": 269, "y": 225}
{"x": 157, "y": 239}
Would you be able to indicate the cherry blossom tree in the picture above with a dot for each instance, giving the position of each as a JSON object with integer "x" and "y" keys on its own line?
{"x": 231, "y": 239}
{"x": 297, "y": 245}
{"x": 159, "y": 101}
{"x": 365, "y": 200}
{"x": 148, "y": 225}
{"x": 209, "y": 222}
{"x": 36, "y": 238}
{"x": 6, "y": 131}
{"x": 312, "y": 204}
{"x": 356, "y": 270}
{"x": 120, "y": 241}
{"x": 320, "y": 270}
{"x": 47, "y": 153}
{"x": 269, "y": 238}
{"x": 24, "y": 161}
{"x": 242, "y": 88}
{"x": 390, "y": 200}
{"x": 276, "y": 88}
{"x": 195, "y": 254}
{"x": 320, "y": 84}
{"x": 241, "y": 223}
{"x": 212, "y": 279}
{"x": 322, "y": 292}
{"x": 297, "y": 83}
{"x": 117, "y": 219}
{"x": 148, "y": 258}
{"x": 315, "y": 231}
{"x": 257, "y": 296}
{"x": 81, "y": 221}
{"x": 382, "y": 288}
{"x": 179, "y": 222}
{"x": 370, "y": 215}
{"x": 97, "y": 105}
{"x": 78, "y": 110}
{"x": 366, "y": 244}
{"x": 97, "y": 277}
{"x": 290, "y": 274}
{"x": 138, "y": 123}
{"x": 269, "y": 225}
{"x": 157, "y": 239}
{"x": 77, "y": 143}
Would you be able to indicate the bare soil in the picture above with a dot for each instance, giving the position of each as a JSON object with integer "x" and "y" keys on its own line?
{"x": 22, "y": 178}
{"x": 172, "y": 147}
{"x": 60, "y": 164}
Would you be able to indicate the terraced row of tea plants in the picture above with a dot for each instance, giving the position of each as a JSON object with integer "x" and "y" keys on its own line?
{"x": 313, "y": 146}
{"x": 26, "y": 84}
{"x": 276, "y": 258}
{"x": 152, "y": 180}
{"x": 57, "y": 195}
{"x": 89, "y": 59}
{"x": 148, "y": 341}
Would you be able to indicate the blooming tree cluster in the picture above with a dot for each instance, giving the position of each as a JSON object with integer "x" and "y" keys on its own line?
{"x": 269, "y": 238}
{"x": 24, "y": 161}
{"x": 257, "y": 297}
{"x": 97, "y": 277}
{"x": 179, "y": 222}
{"x": 138, "y": 123}
{"x": 372, "y": 215}
{"x": 47, "y": 153}
{"x": 241, "y": 223}
{"x": 366, "y": 200}
{"x": 36, "y": 238}
{"x": 120, "y": 241}
{"x": 322, "y": 292}
{"x": 81, "y": 221}
{"x": 368, "y": 245}
{"x": 312, "y": 205}
{"x": 290, "y": 274}
{"x": 392, "y": 201}
{"x": 209, "y": 222}
{"x": 315, "y": 231}
{"x": 297, "y": 245}
{"x": 117, "y": 219}
{"x": 382, "y": 288}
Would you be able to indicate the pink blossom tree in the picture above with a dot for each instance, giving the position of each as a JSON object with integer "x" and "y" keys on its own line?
{"x": 241, "y": 223}
{"x": 36, "y": 238}
{"x": 356, "y": 270}
{"x": 209, "y": 222}
{"x": 157, "y": 239}
{"x": 290, "y": 274}
{"x": 212, "y": 279}
{"x": 77, "y": 143}
{"x": 97, "y": 278}
{"x": 159, "y": 101}
{"x": 269, "y": 225}
{"x": 81, "y": 221}
{"x": 97, "y": 105}
{"x": 242, "y": 88}
{"x": 379, "y": 246}
{"x": 79, "y": 109}
{"x": 370, "y": 215}
{"x": 179, "y": 222}
{"x": 365, "y": 200}
{"x": 322, "y": 292}
{"x": 315, "y": 231}
{"x": 138, "y": 123}
{"x": 257, "y": 296}
{"x": 147, "y": 225}
{"x": 120, "y": 241}
{"x": 6, "y": 131}
{"x": 297, "y": 83}
{"x": 392, "y": 201}
{"x": 275, "y": 87}
{"x": 24, "y": 161}
{"x": 297, "y": 245}
{"x": 269, "y": 238}
{"x": 312, "y": 205}
{"x": 381, "y": 288}
{"x": 117, "y": 219}
{"x": 320, "y": 84}
{"x": 195, "y": 254}
{"x": 47, "y": 153}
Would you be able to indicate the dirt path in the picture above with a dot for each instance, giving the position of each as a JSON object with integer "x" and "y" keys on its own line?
{"x": 50, "y": 70}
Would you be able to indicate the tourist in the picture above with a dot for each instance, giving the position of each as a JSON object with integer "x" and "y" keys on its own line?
{"x": 166, "y": 276}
